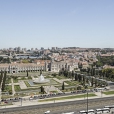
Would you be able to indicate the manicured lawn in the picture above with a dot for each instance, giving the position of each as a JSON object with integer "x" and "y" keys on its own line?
{"x": 17, "y": 88}
{"x": 8, "y": 80}
{"x": 72, "y": 83}
{"x": 67, "y": 97}
{"x": 15, "y": 80}
{"x": 108, "y": 92}
{"x": 8, "y": 88}
{"x": 27, "y": 84}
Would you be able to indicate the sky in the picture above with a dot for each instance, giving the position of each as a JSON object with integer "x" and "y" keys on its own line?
{"x": 57, "y": 23}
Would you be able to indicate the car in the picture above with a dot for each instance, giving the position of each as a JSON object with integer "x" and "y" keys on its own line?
{"x": 47, "y": 112}
{"x": 31, "y": 98}
{"x": 6, "y": 102}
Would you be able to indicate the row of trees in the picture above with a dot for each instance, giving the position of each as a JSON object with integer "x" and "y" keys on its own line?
{"x": 108, "y": 73}
{"x": 85, "y": 79}
{"x": 67, "y": 73}
{"x": 4, "y": 60}
{"x": 2, "y": 80}
{"x": 105, "y": 60}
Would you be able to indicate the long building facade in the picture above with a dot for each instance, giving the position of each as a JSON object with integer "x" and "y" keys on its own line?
{"x": 52, "y": 66}
{"x": 16, "y": 68}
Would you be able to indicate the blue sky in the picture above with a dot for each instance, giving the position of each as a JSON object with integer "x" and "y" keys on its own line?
{"x": 56, "y": 23}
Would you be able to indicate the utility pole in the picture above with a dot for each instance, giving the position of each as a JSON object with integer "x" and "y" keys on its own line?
{"x": 0, "y": 94}
{"x": 87, "y": 102}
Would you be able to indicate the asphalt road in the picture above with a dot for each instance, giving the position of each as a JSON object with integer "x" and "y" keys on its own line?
{"x": 58, "y": 108}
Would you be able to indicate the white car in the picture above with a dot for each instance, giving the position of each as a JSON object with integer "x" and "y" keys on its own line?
{"x": 47, "y": 112}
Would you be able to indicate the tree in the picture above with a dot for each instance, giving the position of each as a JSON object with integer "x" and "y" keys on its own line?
{"x": 76, "y": 77}
{"x": 54, "y": 74}
{"x": 83, "y": 80}
{"x": 91, "y": 71}
{"x": 1, "y": 77}
{"x": 65, "y": 73}
{"x": 69, "y": 74}
{"x": 80, "y": 65}
{"x": 40, "y": 71}
{"x": 27, "y": 73}
{"x": 63, "y": 86}
{"x": 79, "y": 77}
{"x": 42, "y": 89}
{"x": 4, "y": 80}
{"x": 88, "y": 70}
{"x": 72, "y": 75}
{"x": 79, "y": 87}
{"x": 92, "y": 81}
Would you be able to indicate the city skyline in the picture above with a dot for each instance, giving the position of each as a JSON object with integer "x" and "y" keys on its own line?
{"x": 36, "y": 24}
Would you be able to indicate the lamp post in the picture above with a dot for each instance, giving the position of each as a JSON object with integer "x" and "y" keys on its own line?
{"x": 87, "y": 102}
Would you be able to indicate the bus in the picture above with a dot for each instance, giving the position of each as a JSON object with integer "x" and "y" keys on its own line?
{"x": 68, "y": 113}
{"x": 99, "y": 111}
{"x": 111, "y": 106}
{"x": 106, "y": 110}
{"x": 91, "y": 111}
{"x": 103, "y": 110}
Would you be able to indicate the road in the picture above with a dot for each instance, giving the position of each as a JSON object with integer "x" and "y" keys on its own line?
{"x": 58, "y": 108}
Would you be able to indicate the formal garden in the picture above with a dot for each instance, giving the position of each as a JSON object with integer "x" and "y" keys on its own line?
{"x": 21, "y": 84}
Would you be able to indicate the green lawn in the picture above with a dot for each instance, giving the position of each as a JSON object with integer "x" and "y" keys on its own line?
{"x": 8, "y": 88}
{"x": 67, "y": 97}
{"x": 15, "y": 80}
{"x": 27, "y": 84}
{"x": 108, "y": 92}
{"x": 17, "y": 87}
{"x": 8, "y": 80}
{"x": 72, "y": 83}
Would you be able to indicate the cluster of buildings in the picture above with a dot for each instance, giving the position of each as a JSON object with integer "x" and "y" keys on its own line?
{"x": 59, "y": 59}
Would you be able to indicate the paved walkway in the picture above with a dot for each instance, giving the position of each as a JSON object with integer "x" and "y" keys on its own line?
{"x": 13, "y": 89}
{"x": 22, "y": 84}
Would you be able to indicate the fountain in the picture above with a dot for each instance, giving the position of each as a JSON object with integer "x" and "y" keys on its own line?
{"x": 41, "y": 79}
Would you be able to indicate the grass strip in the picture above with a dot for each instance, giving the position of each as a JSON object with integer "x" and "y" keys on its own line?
{"x": 108, "y": 92}
{"x": 67, "y": 97}
{"x": 27, "y": 84}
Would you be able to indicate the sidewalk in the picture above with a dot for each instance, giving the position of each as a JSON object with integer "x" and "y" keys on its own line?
{"x": 13, "y": 90}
